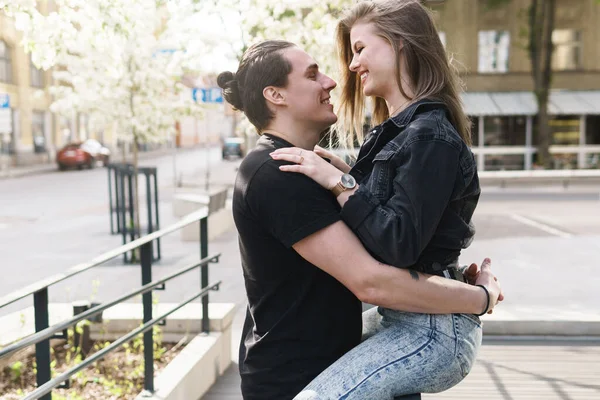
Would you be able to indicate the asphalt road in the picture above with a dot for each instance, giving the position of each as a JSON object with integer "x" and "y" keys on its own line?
{"x": 544, "y": 242}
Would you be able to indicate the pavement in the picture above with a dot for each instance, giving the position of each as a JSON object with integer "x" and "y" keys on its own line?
{"x": 543, "y": 244}
{"x": 504, "y": 370}
{"x": 38, "y": 169}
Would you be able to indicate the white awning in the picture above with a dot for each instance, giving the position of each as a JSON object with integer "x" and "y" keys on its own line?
{"x": 515, "y": 103}
{"x": 561, "y": 102}
{"x": 479, "y": 104}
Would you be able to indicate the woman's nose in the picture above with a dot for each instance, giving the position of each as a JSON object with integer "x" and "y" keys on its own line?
{"x": 354, "y": 64}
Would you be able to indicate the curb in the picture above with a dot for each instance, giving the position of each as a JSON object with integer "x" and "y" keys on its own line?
{"x": 545, "y": 328}
{"x": 17, "y": 172}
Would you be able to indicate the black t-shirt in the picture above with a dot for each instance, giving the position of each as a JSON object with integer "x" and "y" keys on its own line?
{"x": 299, "y": 318}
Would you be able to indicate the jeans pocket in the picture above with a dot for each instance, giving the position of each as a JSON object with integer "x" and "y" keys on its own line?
{"x": 389, "y": 316}
{"x": 472, "y": 317}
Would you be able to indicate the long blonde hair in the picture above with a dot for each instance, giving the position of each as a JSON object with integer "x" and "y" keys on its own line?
{"x": 428, "y": 67}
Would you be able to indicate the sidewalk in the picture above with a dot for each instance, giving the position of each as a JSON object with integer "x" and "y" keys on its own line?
{"x": 503, "y": 371}
{"x": 543, "y": 297}
{"x": 17, "y": 172}
{"x": 38, "y": 169}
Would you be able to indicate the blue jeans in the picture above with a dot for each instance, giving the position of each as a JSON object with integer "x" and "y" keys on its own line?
{"x": 401, "y": 353}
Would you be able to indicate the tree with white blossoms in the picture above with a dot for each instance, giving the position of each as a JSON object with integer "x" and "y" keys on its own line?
{"x": 121, "y": 62}
{"x": 309, "y": 24}
{"x": 10, "y": 6}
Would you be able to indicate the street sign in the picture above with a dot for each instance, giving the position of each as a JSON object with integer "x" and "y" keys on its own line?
{"x": 207, "y": 95}
{"x": 4, "y": 100}
{"x": 5, "y": 114}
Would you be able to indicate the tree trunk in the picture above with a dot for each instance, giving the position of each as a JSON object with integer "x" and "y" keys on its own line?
{"x": 544, "y": 133}
{"x": 541, "y": 25}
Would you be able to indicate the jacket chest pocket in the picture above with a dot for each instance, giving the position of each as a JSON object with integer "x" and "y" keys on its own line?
{"x": 382, "y": 178}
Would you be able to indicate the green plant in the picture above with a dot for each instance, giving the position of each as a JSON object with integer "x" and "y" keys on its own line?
{"x": 16, "y": 370}
{"x": 118, "y": 375}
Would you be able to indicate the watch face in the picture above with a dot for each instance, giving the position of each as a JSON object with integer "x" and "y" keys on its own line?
{"x": 348, "y": 181}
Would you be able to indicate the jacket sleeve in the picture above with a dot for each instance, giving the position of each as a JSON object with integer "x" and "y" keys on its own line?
{"x": 399, "y": 229}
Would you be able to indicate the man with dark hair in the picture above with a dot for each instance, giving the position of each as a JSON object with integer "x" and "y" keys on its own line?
{"x": 305, "y": 271}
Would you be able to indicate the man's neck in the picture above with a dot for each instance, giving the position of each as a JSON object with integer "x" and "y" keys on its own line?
{"x": 298, "y": 135}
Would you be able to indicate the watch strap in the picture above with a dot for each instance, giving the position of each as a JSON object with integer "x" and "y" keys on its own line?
{"x": 338, "y": 189}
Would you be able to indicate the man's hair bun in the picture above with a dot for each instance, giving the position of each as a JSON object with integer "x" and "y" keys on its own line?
{"x": 231, "y": 90}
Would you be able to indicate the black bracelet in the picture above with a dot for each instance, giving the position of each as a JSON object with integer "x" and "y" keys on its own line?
{"x": 487, "y": 306}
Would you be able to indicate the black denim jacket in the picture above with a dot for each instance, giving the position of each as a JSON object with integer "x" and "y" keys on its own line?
{"x": 418, "y": 190}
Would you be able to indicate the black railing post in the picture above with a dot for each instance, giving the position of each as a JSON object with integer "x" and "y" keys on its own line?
{"x": 149, "y": 202}
{"x": 118, "y": 197}
{"x": 110, "y": 199}
{"x": 156, "y": 209}
{"x": 204, "y": 272}
{"x": 132, "y": 211}
{"x": 146, "y": 262}
{"x": 123, "y": 209}
{"x": 42, "y": 349}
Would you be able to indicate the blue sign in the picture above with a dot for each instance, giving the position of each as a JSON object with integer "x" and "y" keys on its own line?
{"x": 207, "y": 95}
{"x": 4, "y": 100}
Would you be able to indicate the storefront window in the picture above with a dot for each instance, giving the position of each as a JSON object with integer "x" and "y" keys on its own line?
{"x": 592, "y": 130}
{"x": 564, "y": 130}
{"x": 37, "y": 130}
{"x": 504, "y": 131}
{"x": 475, "y": 131}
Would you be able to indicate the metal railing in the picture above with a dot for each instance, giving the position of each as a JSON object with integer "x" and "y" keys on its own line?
{"x": 44, "y": 332}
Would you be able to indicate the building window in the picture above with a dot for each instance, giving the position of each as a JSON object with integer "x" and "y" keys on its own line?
{"x": 442, "y": 36}
{"x": 494, "y": 49}
{"x": 5, "y": 63}
{"x": 36, "y": 75}
{"x": 592, "y": 131}
{"x": 505, "y": 131}
{"x": 38, "y": 131}
{"x": 475, "y": 131}
{"x": 567, "y": 50}
{"x": 66, "y": 135}
{"x": 564, "y": 130}
{"x": 592, "y": 137}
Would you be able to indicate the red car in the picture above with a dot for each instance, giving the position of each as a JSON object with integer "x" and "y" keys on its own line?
{"x": 82, "y": 155}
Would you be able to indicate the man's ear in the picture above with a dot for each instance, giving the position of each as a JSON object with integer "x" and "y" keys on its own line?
{"x": 274, "y": 95}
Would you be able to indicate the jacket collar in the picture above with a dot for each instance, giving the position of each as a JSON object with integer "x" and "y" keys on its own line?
{"x": 407, "y": 115}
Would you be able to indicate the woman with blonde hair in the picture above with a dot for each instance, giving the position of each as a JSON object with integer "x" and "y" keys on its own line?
{"x": 409, "y": 198}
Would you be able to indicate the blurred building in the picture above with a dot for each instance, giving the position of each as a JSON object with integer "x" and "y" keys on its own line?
{"x": 490, "y": 46}
{"x": 29, "y": 132}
